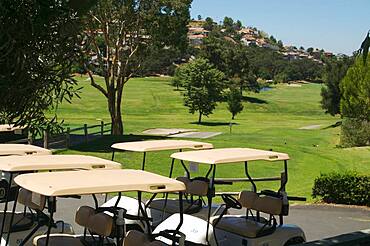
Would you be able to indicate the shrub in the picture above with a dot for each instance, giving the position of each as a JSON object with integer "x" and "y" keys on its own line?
{"x": 355, "y": 132}
{"x": 343, "y": 188}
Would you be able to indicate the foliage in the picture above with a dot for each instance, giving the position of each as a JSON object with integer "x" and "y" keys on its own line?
{"x": 365, "y": 47}
{"x": 234, "y": 102}
{"x": 231, "y": 58}
{"x": 344, "y": 188}
{"x": 38, "y": 47}
{"x": 355, "y": 89}
{"x": 203, "y": 84}
{"x": 355, "y": 132}
{"x": 335, "y": 70}
{"x": 120, "y": 35}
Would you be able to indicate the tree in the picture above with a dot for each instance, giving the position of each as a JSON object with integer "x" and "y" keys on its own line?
{"x": 273, "y": 39}
{"x": 280, "y": 44}
{"x": 38, "y": 45}
{"x": 234, "y": 102}
{"x": 310, "y": 50}
{"x": 119, "y": 36}
{"x": 203, "y": 84}
{"x": 365, "y": 47}
{"x": 199, "y": 17}
{"x": 209, "y": 24}
{"x": 335, "y": 71}
{"x": 230, "y": 58}
{"x": 355, "y": 88}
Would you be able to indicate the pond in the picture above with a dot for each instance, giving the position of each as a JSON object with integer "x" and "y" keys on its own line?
{"x": 266, "y": 88}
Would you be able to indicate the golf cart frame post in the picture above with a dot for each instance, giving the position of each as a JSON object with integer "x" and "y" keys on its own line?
{"x": 17, "y": 165}
{"x": 231, "y": 156}
{"x": 83, "y": 182}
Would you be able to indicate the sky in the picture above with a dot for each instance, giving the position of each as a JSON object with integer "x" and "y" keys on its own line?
{"x": 338, "y": 26}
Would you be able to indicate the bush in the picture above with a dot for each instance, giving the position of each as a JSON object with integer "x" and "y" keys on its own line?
{"x": 343, "y": 188}
{"x": 355, "y": 132}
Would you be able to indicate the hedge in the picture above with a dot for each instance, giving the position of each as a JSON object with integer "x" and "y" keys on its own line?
{"x": 343, "y": 188}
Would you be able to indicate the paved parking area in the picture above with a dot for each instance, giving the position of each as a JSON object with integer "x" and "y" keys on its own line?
{"x": 317, "y": 221}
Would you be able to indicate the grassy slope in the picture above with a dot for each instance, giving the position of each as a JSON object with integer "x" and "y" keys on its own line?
{"x": 270, "y": 124}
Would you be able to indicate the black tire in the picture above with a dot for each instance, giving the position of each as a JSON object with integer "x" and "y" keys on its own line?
{"x": 294, "y": 240}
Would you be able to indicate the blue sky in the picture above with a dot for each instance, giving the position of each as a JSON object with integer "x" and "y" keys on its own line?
{"x": 334, "y": 25}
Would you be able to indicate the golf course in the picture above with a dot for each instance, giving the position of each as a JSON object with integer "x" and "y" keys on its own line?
{"x": 271, "y": 119}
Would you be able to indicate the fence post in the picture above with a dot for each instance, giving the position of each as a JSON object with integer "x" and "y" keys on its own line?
{"x": 102, "y": 128}
{"x": 46, "y": 139}
{"x": 86, "y": 133}
{"x": 68, "y": 137}
{"x": 29, "y": 138}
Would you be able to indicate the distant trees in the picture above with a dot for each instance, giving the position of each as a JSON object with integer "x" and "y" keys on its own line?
{"x": 121, "y": 34}
{"x": 203, "y": 86}
{"x": 335, "y": 70}
{"x": 231, "y": 58}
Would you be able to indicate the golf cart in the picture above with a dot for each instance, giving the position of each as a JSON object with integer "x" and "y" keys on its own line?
{"x": 22, "y": 149}
{"x": 103, "y": 225}
{"x": 259, "y": 225}
{"x": 156, "y": 210}
{"x": 18, "y": 224}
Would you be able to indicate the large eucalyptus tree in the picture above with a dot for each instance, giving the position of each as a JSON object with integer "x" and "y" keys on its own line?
{"x": 118, "y": 36}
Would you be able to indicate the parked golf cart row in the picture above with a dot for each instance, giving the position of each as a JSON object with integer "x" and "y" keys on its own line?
{"x": 189, "y": 219}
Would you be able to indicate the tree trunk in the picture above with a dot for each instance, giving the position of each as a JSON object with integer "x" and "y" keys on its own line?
{"x": 114, "y": 104}
{"x": 200, "y": 118}
{"x": 233, "y": 117}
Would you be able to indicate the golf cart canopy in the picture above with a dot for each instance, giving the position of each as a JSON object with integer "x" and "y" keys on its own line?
{"x": 54, "y": 162}
{"x": 229, "y": 155}
{"x": 157, "y": 145}
{"x": 10, "y": 128}
{"x": 22, "y": 149}
{"x": 95, "y": 182}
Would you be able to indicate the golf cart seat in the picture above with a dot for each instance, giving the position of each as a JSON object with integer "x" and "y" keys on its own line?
{"x": 194, "y": 187}
{"x": 98, "y": 223}
{"x": 250, "y": 226}
{"x": 136, "y": 238}
{"x": 58, "y": 240}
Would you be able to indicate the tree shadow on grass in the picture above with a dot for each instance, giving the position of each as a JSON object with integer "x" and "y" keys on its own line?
{"x": 213, "y": 123}
{"x": 254, "y": 100}
{"x": 336, "y": 124}
{"x": 104, "y": 143}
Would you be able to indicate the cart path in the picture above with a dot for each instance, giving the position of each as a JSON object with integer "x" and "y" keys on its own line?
{"x": 317, "y": 221}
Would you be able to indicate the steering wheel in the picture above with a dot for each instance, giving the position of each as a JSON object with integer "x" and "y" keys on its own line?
{"x": 231, "y": 202}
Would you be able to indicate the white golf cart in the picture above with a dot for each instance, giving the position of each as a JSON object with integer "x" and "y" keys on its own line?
{"x": 22, "y": 149}
{"x": 259, "y": 225}
{"x": 103, "y": 225}
{"x": 160, "y": 209}
{"x": 16, "y": 225}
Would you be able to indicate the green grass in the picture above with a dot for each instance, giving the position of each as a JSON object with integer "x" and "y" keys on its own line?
{"x": 272, "y": 123}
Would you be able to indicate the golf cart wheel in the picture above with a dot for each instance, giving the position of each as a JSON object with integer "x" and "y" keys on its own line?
{"x": 294, "y": 240}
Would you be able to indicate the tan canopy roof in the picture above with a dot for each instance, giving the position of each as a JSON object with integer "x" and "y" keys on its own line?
{"x": 157, "y": 145}
{"x": 94, "y": 182}
{"x": 22, "y": 149}
{"x": 54, "y": 162}
{"x": 10, "y": 128}
{"x": 229, "y": 155}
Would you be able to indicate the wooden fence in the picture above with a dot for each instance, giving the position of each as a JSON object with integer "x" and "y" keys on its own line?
{"x": 71, "y": 137}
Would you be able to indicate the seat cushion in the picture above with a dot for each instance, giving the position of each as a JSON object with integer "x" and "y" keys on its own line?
{"x": 58, "y": 240}
{"x": 240, "y": 225}
{"x": 172, "y": 205}
{"x": 136, "y": 238}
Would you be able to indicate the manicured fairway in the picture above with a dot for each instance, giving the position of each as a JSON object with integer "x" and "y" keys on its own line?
{"x": 271, "y": 122}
